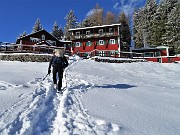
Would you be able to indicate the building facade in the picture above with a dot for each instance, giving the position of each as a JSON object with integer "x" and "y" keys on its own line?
{"x": 102, "y": 40}
{"x": 161, "y": 54}
{"x": 41, "y": 41}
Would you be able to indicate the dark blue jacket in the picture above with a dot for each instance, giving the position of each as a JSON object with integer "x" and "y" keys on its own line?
{"x": 53, "y": 62}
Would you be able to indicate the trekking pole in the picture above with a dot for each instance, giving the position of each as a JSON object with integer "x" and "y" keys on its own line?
{"x": 45, "y": 77}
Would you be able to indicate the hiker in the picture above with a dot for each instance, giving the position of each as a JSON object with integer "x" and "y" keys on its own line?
{"x": 59, "y": 63}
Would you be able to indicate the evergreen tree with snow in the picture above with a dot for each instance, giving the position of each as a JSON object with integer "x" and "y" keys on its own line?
{"x": 149, "y": 11}
{"x": 171, "y": 37}
{"x": 61, "y": 33}
{"x": 71, "y": 22}
{"x": 37, "y": 26}
{"x": 138, "y": 29}
{"x": 160, "y": 19}
{"x": 23, "y": 34}
{"x": 158, "y": 26}
{"x": 57, "y": 31}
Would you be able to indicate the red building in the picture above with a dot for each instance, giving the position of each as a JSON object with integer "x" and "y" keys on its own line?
{"x": 98, "y": 41}
{"x": 160, "y": 54}
{"x": 41, "y": 41}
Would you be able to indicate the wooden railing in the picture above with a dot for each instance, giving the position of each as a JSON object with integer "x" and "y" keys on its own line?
{"x": 95, "y": 35}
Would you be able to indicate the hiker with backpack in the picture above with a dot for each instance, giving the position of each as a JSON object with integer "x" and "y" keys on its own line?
{"x": 59, "y": 63}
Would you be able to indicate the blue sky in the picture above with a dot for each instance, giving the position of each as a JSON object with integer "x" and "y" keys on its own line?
{"x": 17, "y": 16}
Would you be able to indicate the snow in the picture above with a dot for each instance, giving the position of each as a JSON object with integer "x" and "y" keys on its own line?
{"x": 99, "y": 98}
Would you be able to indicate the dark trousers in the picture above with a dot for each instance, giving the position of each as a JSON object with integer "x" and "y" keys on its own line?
{"x": 59, "y": 71}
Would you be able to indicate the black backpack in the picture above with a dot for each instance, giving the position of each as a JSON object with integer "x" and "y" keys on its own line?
{"x": 58, "y": 61}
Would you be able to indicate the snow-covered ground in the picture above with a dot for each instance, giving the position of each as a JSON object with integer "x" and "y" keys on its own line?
{"x": 99, "y": 99}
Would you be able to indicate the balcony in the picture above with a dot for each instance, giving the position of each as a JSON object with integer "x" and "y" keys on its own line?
{"x": 95, "y": 35}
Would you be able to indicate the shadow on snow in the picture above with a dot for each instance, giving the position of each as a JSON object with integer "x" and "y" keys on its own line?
{"x": 116, "y": 86}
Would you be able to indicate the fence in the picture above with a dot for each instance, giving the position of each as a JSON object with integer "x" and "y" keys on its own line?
{"x": 19, "y": 48}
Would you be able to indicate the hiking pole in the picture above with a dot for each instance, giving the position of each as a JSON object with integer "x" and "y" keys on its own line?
{"x": 45, "y": 77}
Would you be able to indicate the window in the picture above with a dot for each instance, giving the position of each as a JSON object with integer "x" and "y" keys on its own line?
{"x": 157, "y": 54}
{"x": 101, "y": 53}
{"x": 148, "y": 54}
{"x": 51, "y": 42}
{"x": 43, "y": 37}
{"x": 36, "y": 40}
{"x": 101, "y": 42}
{"x": 88, "y": 43}
{"x": 112, "y": 41}
{"x": 88, "y": 32}
{"x": 78, "y": 33}
{"x": 78, "y": 44}
{"x": 100, "y": 31}
{"x": 110, "y": 30}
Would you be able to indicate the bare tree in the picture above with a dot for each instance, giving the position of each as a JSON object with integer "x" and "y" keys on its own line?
{"x": 109, "y": 18}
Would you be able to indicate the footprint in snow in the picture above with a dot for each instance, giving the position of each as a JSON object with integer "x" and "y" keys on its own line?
{"x": 2, "y": 87}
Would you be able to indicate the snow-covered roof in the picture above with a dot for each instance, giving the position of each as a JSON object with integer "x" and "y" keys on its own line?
{"x": 162, "y": 47}
{"x": 144, "y": 49}
{"x": 65, "y": 41}
{"x": 37, "y": 32}
{"x": 95, "y": 27}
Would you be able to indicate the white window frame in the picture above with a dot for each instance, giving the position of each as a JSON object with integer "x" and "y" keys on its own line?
{"x": 43, "y": 37}
{"x": 36, "y": 40}
{"x": 112, "y": 41}
{"x": 101, "y": 42}
{"x": 101, "y": 53}
{"x": 51, "y": 42}
{"x": 88, "y": 32}
{"x": 100, "y": 31}
{"x": 78, "y": 44}
{"x": 111, "y": 30}
{"x": 78, "y": 33}
{"x": 88, "y": 43}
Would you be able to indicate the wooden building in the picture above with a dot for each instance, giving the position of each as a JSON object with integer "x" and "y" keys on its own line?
{"x": 98, "y": 41}
{"x": 160, "y": 54}
{"x": 41, "y": 41}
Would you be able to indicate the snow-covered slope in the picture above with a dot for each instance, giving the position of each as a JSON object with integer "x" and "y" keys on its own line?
{"x": 99, "y": 98}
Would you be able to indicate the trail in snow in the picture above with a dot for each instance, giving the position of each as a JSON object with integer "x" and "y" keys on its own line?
{"x": 43, "y": 111}
{"x": 72, "y": 117}
{"x": 32, "y": 114}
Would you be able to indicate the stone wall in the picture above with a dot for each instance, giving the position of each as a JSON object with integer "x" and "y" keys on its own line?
{"x": 116, "y": 60}
{"x": 25, "y": 57}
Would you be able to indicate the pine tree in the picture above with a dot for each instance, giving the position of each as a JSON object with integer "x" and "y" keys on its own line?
{"x": 57, "y": 32}
{"x": 61, "y": 33}
{"x": 125, "y": 31}
{"x": 71, "y": 22}
{"x": 137, "y": 31}
{"x": 149, "y": 11}
{"x": 160, "y": 20}
{"x": 37, "y": 26}
{"x": 23, "y": 34}
{"x": 158, "y": 26}
{"x": 171, "y": 37}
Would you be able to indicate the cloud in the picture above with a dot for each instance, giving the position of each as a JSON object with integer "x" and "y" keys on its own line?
{"x": 127, "y": 6}
{"x": 116, "y": 5}
{"x": 90, "y": 12}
